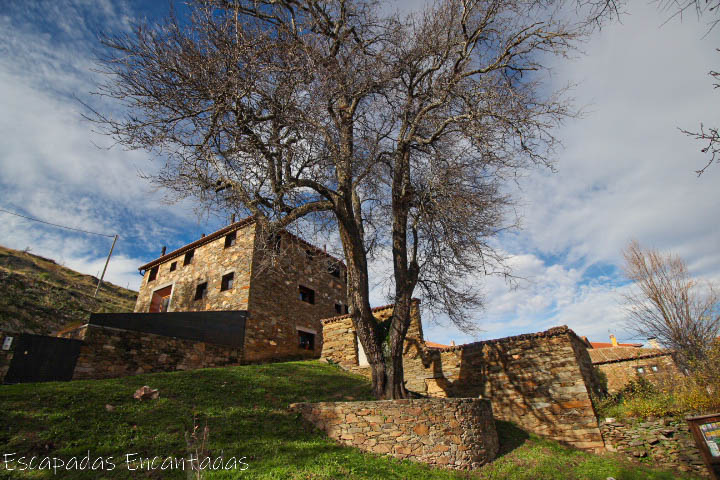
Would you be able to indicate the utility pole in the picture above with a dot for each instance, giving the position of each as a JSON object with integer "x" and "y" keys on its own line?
{"x": 106, "y": 264}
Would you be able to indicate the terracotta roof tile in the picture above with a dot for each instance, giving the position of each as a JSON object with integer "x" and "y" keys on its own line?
{"x": 620, "y": 354}
{"x": 610, "y": 345}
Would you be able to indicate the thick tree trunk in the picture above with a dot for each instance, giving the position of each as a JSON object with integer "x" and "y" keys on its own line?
{"x": 358, "y": 292}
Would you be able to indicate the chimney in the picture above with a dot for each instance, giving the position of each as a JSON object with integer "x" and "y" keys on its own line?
{"x": 325, "y": 247}
{"x": 162, "y": 254}
{"x": 232, "y": 218}
{"x": 653, "y": 342}
{"x": 613, "y": 340}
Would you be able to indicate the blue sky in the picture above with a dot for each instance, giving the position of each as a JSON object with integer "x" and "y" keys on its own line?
{"x": 625, "y": 171}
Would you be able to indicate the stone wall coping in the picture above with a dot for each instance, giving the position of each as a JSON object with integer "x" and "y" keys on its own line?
{"x": 219, "y": 233}
{"x": 552, "y": 332}
{"x": 402, "y": 401}
{"x": 373, "y": 310}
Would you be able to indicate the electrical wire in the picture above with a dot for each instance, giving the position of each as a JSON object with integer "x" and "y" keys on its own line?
{"x": 55, "y": 224}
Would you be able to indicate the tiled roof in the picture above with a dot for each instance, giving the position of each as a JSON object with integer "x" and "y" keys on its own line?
{"x": 223, "y": 231}
{"x": 620, "y": 354}
{"x": 430, "y": 344}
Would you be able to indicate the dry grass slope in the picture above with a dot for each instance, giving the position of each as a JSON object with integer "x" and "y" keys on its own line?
{"x": 39, "y": 296}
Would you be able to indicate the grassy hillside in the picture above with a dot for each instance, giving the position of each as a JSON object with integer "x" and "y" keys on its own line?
{"x": 39, "y": 296}
{"x": 245, "y": 411}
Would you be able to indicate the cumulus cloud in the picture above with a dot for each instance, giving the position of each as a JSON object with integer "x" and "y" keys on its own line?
{"x": 626, "y": 172}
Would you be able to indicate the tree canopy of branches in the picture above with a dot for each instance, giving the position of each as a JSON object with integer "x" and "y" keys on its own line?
{"x": 398, "y": 132}
{"x": 682, "y": 313}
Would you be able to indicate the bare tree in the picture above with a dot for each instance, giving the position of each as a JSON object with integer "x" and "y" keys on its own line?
{"x": 682, "y": 313}
{"x": 398, "y": 132}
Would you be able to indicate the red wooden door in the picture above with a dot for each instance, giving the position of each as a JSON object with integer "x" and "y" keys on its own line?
{"x": 160, "y": 300}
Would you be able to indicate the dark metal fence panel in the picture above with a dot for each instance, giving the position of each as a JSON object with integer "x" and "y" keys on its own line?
{"x": 222, "y": 328}
{"x": 38, "y": 358}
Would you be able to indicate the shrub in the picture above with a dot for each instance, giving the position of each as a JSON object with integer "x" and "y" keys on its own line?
{"x": 695, "y": 393}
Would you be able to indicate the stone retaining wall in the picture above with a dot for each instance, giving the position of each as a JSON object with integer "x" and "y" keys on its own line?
{"x": 540, "y": 381}
{"x": 112, "y": 352}
{"x": 666, "y": 443}
{"x": 454, "y": 433}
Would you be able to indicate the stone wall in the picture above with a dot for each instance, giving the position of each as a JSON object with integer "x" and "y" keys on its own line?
{"x": 620, "y": 373}
{"x": 340, "y": 343}
{"x": 666, "y": 443}
{"x": 111, "y": 352}
{"x": 453, "y": 433}
{"x": 541, "y": 381}
{"x": 277, "y": 312}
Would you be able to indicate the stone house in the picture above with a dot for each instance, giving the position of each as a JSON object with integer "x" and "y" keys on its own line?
{"x": 619, "y": 365}
{"x": 286, "y": 285}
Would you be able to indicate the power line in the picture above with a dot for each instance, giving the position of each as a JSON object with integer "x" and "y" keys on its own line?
{"x": 55, "y": 224}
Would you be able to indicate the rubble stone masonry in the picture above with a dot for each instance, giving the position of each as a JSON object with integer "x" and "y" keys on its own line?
{"x": 266, "y": 285}
{"x": 111, "y": 352}
{"x": 541, "y": 381}
{"x": 454, "y": 433}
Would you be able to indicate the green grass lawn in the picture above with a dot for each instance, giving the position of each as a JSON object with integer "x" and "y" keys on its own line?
{"x": 245, "y": 410}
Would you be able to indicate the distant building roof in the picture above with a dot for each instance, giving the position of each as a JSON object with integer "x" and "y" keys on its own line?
{"x": 430, "y": 344}
{"x": 621, "y": 354}
{"x": 610, "y": 345}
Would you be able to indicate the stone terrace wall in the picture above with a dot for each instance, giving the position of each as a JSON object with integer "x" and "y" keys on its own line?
{"x": 111, "y": 352}
{"x": 666, "y": 443}
{"x": 453, "y": 433}
{"x": 541, "y": 382}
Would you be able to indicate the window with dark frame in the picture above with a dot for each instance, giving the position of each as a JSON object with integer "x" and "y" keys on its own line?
{"x": 189, "y": 257}
{"x": 307, "y": 294}
{"x": 153, "y": 273}
{"x": 173, "y": 266}
{"x": 227, "y": 281}
{"x": 654, "y": 368}
{"x": 338, "y": 308}
{"x": 334, "y": 270}
{"x": 201, "y": 291}
{"x": 640, "y": 370}
{"x": 306, "y": 340}
{"x": 230, "y": 239}
{"x": 347, "y": 309}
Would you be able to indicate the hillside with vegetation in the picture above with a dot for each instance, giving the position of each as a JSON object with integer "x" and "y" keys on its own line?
{"x": 242, "y": 412}
{"x": 37, "y": 295}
